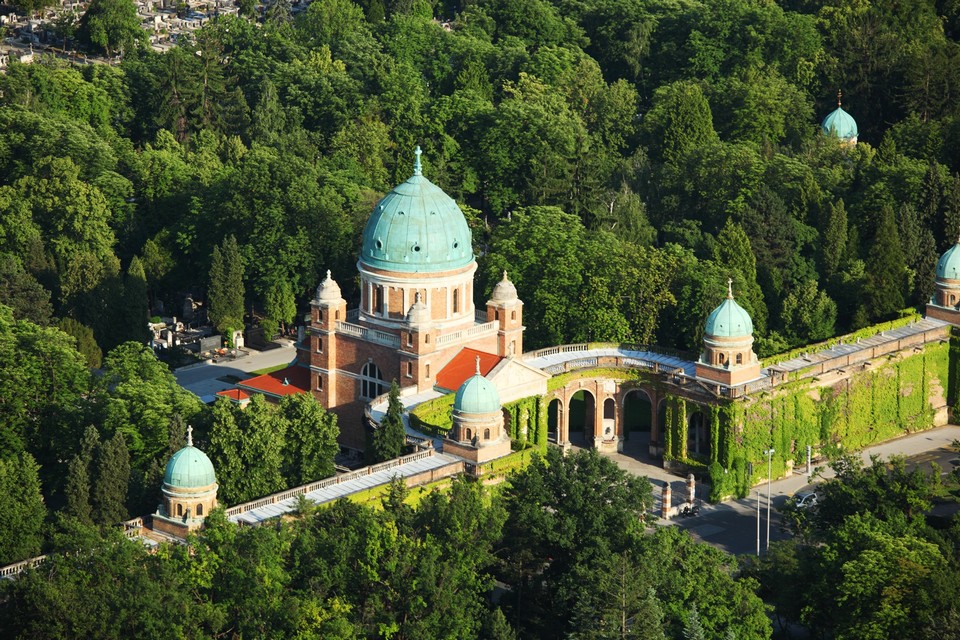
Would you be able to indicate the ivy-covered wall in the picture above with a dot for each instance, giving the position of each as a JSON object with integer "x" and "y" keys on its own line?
{"x": 527, "y": 423}
{"x": 872, "y": 405}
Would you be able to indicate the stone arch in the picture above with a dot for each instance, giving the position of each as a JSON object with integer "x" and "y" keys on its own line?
{"x": 581, "y": 409}
{"x": 609, "y": 425}
{"x": 698, "y": 436}
{"x": 637, "y": 412}
{"x": 554, "y": 419}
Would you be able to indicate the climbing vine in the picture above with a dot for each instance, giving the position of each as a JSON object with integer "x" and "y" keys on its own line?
{"x": 527, "y": 424}
{"x": 873, "y": 405}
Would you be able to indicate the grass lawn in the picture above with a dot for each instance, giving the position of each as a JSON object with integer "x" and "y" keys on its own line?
{"x": 260, "y": 372}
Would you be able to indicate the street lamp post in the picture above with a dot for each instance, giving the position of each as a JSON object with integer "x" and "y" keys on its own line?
{"x": 758, "y": 523}
{"x": 769, "y": 453}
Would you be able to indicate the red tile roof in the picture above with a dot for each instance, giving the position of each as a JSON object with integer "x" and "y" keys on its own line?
{"x": 285, "y": 382}
{"x": 237, "y": 395}
{"x": 464, "y": 365}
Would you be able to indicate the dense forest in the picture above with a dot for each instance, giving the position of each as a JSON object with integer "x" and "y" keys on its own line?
{"x": 646, "y": 150}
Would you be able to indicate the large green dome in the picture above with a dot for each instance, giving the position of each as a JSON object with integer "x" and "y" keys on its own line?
{"x": 417, "y": 228}
{"x": 729, "y": 320}
{"x": 189, "y": 468}
{"x": 840, "y": 124}
{"x": 949, "y": 266}
{"x": 477, "y": 395}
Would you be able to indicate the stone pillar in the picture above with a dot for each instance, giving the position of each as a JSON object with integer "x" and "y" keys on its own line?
{"x": 665, "y": 502}
{"x": 691, "y": 489}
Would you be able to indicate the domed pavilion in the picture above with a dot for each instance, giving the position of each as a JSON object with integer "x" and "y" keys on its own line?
{"x": 416, "y": 310}
{"x": 189, "y": 491}
{"x": 727, "y": 355}
{"x": 840, "y": 124}
{"x": 945, "y": 303}
{"x": 478, "y": 433}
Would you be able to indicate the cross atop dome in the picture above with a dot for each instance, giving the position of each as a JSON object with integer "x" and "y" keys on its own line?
{"x": 730, "y": 288}
{"x": 478, "y": 365}
{"x": 189, "y": 435}
{"x": 417, "y": 168}
{"x": 839, "y": 97}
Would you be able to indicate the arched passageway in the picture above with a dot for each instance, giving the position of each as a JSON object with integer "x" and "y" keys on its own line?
{"x": 582, "y": 411}
{"x": 637, "y": 413}
{"x": 698, "y": 440}
{"x": 609, "y": 418}
{"x": 554, "y": 420}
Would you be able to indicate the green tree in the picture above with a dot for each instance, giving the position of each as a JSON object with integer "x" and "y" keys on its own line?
{"x": 23, "y": 512}
{"x": 112, "y": 26}
{"x": 311, "y": 440}
{"x": 22, "y": 292}
{"x": 678, "y": 122}
{"x": 247, "y": 449}
{"x": 734, "y": 253}
{"x": 389, "y": 439}
{"x": 808, "y": 315}
{"x": 226, "y": 293}
{"x": 833, "y": 243}
{"x": 78, "y": 490}
{"x": 111, "y": 482}
{"x": 86, "y": 342}
{"x": 886, "y": 270}
{"x": 134, "y": 303}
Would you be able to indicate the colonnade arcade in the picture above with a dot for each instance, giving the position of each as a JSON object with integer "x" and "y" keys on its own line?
{"x": 606, "y": 414}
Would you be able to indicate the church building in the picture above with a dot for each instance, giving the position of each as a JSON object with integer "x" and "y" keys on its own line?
{"x": 416, "y": 322}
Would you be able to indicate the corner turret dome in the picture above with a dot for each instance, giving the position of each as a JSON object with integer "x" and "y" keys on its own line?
{"x": 729, "y": 320}
{"x": 418, "y": 314}
{"x": 417, "y": 228}
{"x": 840, "y": 124}
{"x": 949, "y": 266}
{"x": 477, "y": 395}
{"x": 329, "y": 290}
{"x": 504, "y": 291}
{"x": 189, "y": 468}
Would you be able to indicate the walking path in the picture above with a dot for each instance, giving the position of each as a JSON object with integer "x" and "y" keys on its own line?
{"x": 731, "y": 525}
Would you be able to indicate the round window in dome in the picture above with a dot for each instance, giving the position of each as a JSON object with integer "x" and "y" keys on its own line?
{"x": 416, "y": 247}
{"x": 455, "y": 244}
{"x": 379, "y": 244}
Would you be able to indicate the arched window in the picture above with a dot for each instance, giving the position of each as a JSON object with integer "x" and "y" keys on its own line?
{"x": 486, "y": 434}
{"x": 456, "y": 300}
{"x": 179, "y": 509}
{"x": 199, "y": 509}
{"x": 739, "y": 358}
{"x": 513, "y": 315}
{"x": 496, "y": 315}
{"x": 371, "y": 381}
{"x": 319, "y": 345}
{"x": 469, "y": 434}
{"x": 378, "y": 299}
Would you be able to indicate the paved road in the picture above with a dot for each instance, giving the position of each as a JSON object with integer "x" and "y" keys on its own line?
{"x": 732, "y": 525}
{"x": 205, "y": 379}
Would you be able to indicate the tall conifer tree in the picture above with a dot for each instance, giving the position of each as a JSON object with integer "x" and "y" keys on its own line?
{"x": 226, "y": 294}
{"x": 112, "y": 481}
{"x": 78, "y": 490}
{"x": 886, "y": 270}
{"x": 390, "y": 438}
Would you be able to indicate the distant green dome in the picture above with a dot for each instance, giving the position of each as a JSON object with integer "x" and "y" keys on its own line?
{"x": 949, "y": 266}
{"x": 729, "y": 320}
{"x": 417, "y": 228}
{"x": 189, "y": 468}
{"x": 477, "y": 395}
{"x": 840, "y": 124}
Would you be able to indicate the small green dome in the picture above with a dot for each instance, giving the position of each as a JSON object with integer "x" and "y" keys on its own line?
{"x": 840, "y": 124}
{"x": 477, "y": 395}
{"x": 189, "y": 468}
{"x": 729, "y": 320}
{"x": 949, "y": 266}
{"x": 417, "y": 228}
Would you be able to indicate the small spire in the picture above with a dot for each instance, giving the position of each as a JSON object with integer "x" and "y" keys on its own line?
{"x": 189, "y": 435}
{"x": 478, "y": 365}
{"x": 417, "y": 169}
{"x": 730, "y": 288}
{"x": 839, "y": 97}
{"x": 328, "y": 275}
{"x": 505, "y": 278}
